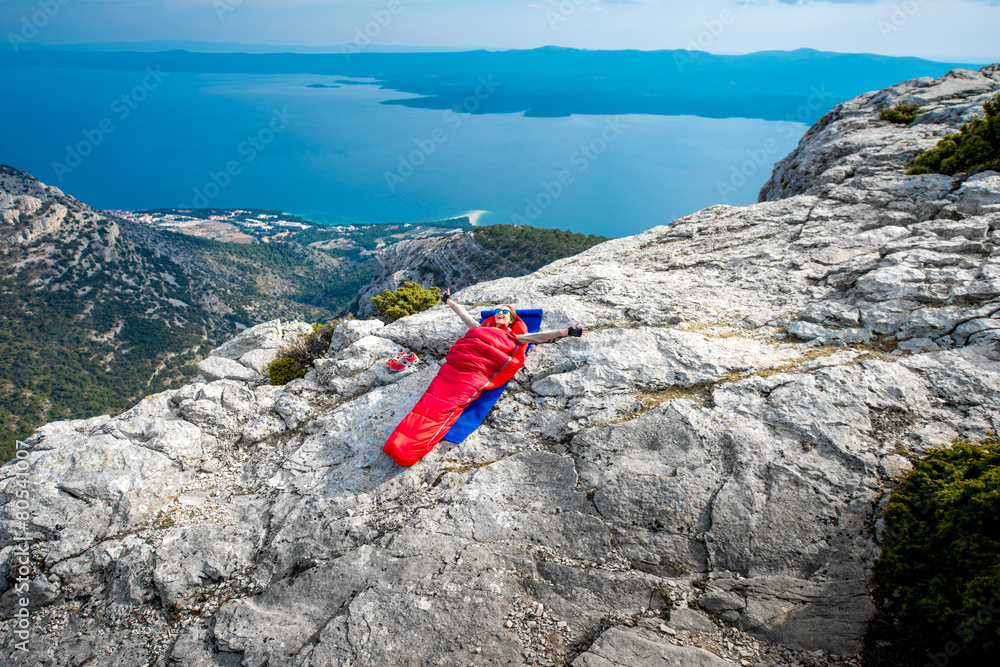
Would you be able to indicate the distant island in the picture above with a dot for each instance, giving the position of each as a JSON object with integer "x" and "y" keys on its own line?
{"x": 553, "y": 81}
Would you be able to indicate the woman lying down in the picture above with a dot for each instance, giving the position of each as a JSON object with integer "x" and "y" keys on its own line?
{"x": 486, "y": 357}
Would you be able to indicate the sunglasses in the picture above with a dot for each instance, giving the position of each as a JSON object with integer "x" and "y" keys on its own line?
{"x": 503, "y": 312}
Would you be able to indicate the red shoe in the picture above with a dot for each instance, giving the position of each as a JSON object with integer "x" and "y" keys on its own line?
{"x": 395, "y": 365}
{"x": 411, "y": 358}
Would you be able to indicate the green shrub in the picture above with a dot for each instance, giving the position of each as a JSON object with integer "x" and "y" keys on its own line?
{"x": 292, "y": 362}
{"x": 408, "y": 299}
{"x": 318, "y": 342}
{"x": 297, "y": 356}
{"x": 976, "y": 146}
{"x": 942, "y": 547}
{"x": 285, "y": 369}
{"x": 901, "y": 114}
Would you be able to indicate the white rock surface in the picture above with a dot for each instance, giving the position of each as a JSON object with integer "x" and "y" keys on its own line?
{"x": 220, "y": 368}
{"x": 351, "y": 331}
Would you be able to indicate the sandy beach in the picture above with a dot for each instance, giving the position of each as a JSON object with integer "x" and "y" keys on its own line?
{"x": 473, "y": 216}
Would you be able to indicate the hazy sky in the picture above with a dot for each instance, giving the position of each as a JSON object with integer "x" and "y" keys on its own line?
{"x": 954, "y": 30}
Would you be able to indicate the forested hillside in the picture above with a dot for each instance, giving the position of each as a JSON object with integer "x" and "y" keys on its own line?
{"x": 518, "y": 249}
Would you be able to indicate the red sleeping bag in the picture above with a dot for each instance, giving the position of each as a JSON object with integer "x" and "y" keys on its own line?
{"x": 484, "y": 358}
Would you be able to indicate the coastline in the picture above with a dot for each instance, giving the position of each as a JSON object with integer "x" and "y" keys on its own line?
{"x": 473, "y": 216}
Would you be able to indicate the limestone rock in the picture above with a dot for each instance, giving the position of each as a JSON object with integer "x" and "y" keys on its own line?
{"x": 189, "y": 559}
{"x": 691, "y": 620}
{"x": 259, "y": 360}
{"x": 128, "y": 566}
{"x": 268, "y": 335}
{"x": 980, "y": 194}
{"x": 220, "y": 368}
{"x": 87, "y": 487}
{"x": 620, "y": 646}
{"x": 351, "y": 331}
{"x": 359, "y": 367}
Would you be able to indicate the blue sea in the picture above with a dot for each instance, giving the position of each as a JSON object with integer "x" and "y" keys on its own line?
{"x": 134, "y": 140}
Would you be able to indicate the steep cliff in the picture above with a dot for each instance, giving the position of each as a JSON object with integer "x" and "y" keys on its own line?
{"x": 715, "y": 451}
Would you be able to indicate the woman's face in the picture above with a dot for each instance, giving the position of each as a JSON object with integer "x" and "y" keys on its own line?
{"x": 502, "y": 316}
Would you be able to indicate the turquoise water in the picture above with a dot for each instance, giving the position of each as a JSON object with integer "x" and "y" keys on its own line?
{"x": 128, "y": 140}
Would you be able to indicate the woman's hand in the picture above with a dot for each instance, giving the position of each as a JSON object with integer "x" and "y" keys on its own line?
{"x": 576, "y": 330}
{"x": 445, "y": 295}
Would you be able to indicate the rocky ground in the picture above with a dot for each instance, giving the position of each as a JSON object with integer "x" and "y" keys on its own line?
{"x": 696, "y": 482}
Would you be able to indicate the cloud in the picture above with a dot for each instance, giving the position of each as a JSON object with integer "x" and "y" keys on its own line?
{"x": 566, "y": 8}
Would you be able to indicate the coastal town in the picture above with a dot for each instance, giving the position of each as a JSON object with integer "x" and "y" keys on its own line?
{"x": 228, "y": 225}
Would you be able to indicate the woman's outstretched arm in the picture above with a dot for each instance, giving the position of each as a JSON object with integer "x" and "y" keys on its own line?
{"x": 552, "y": 334}
{"x": 461, "y": 312}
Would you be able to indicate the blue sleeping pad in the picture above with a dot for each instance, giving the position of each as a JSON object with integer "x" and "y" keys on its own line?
{"x": 476, "y": 412}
